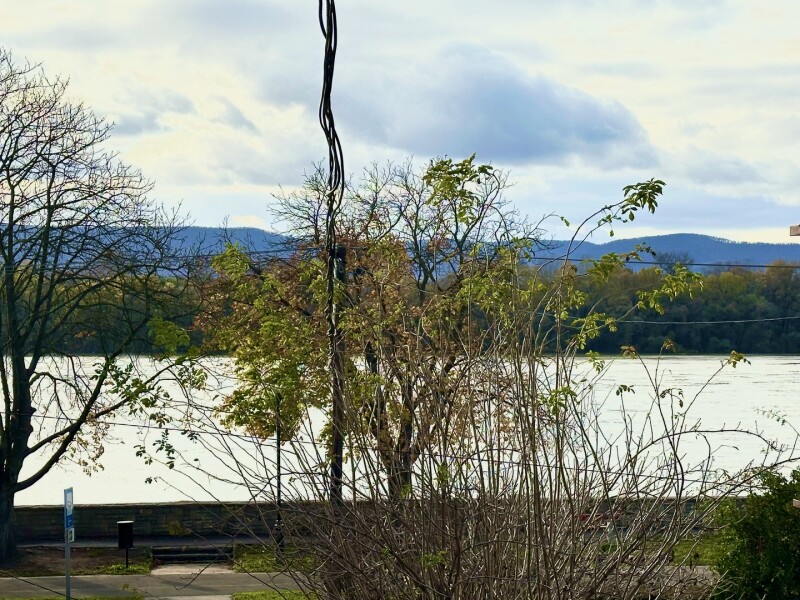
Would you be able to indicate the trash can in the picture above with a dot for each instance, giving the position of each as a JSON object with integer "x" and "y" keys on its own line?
{"x": 125, "y": 534}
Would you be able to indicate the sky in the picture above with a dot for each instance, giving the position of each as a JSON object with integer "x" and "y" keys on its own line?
{"x": 216, "y": 100}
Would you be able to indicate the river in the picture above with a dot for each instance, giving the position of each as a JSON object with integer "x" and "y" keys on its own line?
{"x": 751, "y": 395}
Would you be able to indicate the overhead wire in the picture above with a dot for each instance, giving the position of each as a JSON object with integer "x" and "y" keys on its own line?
{"x": 568, "y": 258}
{"x": 720, "y": 322}
{"x": 289, "y": 250}
{"x": 475, "y": 455}
{"x": 778, "y": 265}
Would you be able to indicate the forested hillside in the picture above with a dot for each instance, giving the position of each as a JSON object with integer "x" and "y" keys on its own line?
{"x": 748, "y": 310}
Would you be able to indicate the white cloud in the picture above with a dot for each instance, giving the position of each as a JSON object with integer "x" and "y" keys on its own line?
{"x": 578, "y": 98}
{"x": 469, "y": 99}
{"x": 248, "y": 221}
{"x": 233, "y": 116}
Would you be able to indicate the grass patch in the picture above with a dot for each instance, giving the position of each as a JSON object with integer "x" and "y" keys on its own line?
{"x": 266, "y": 559}
{"x": 37, "y": 561}
{"x": 134, "y": 568}
{"x": 256, "y": 559}
{"x": 274, "y": 595}
{"x": 704, "y": 549}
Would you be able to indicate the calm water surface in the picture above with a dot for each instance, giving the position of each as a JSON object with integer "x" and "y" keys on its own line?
{"x": 735, "y": 396}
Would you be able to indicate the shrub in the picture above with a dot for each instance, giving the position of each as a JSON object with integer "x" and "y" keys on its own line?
{"x": 761, "y": 541}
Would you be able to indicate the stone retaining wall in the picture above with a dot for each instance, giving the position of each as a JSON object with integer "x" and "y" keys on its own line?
{"x": 45, "y": 523}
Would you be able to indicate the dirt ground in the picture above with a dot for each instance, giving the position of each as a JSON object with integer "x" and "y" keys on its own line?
{"x": 49, "y": 560}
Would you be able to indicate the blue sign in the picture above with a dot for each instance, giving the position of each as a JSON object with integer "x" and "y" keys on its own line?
{"x": 69, "y": 520}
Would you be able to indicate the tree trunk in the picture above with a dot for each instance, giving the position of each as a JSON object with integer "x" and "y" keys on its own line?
{"x": 398, "y": 481}
{"x": 8, "y": 541}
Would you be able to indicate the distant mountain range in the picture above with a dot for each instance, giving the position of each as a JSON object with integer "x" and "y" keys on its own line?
{"x": 701, "y": 249}
{"x": 212, "y": 240}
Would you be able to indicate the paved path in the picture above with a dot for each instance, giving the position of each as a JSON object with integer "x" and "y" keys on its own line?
{"x": 166, "y": 583}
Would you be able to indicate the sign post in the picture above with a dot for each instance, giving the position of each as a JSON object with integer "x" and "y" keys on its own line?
{"x": 69, "y": 537}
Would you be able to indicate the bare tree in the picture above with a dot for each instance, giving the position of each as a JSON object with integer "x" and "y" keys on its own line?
{"x": 669, "y": 260}
{"x": 87, "y": 258}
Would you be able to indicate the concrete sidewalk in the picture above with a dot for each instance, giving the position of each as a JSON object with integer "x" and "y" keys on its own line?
{"x": 165, "y": 583}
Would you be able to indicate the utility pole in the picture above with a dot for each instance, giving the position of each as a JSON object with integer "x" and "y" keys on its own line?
{"x": 335, "y": 254}
{"x": 279, "y": 535}
{"x": 337, "y": 381}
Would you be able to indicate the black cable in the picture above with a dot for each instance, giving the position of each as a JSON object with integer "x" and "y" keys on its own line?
{"x": 437, "y": 455}
{"x": 335, "y": 273}
{"x": 721, "y": 322}
{"x": 286, "y": 254}
{"x": 793, "y": 267}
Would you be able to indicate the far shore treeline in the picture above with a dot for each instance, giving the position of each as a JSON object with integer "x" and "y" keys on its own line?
{"x": 749, "y": 310}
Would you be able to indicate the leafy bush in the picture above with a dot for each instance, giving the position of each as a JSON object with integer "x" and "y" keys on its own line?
{"x": 761, "y": 540}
